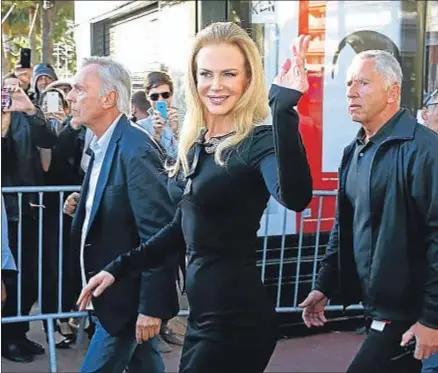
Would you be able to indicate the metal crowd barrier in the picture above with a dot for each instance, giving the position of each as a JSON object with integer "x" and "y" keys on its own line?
{"x": 39, "y": 316}
{"x": 298, "y": 283}
{"x": 292, "y": 259}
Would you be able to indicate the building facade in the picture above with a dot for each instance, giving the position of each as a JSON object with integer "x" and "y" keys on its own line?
{"x": 150, "y": 35}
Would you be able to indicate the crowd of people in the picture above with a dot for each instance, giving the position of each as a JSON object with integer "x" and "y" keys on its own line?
{"x": 161, "y": 198}
{"x": 41, "y": 146}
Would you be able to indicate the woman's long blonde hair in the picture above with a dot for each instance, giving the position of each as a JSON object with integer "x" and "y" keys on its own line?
{"x": 252, "y": 108}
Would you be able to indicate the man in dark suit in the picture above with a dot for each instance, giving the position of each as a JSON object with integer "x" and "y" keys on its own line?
{"x": 123, "y": 202}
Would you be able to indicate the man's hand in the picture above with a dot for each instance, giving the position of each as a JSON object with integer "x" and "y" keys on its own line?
{"x": 20, "y": 101}
{"x": 57, "y": 115}
{"x": 24, "y": 75}
{"x": 427, "y": 340}
{"x": 313, "y": 313}
{"x": 71, "y": 203}
{"x": 157, "y": 124}
{"x": 147, "y": 327}
{"x": 173, "y": 121}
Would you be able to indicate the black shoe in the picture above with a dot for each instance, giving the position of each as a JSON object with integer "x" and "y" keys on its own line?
{"x": 62, "y": 342}
{"x": 32, "y": 347}
{"x": 65, "y": 343}
{"x": 15, "y": 352}
{"x": 64, "y": 335}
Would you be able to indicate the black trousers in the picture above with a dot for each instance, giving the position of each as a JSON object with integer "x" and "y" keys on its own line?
{"x": 29, "y": 278}
{"x": 234, "y": 349}
{"x": 380, "y": 347}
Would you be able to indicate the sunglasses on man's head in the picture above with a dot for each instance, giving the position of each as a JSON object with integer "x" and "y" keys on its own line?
{"x": 156, "y": 96}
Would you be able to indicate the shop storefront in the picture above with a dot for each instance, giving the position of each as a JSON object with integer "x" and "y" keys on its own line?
{"x": 339, "y": 30}
{"x": 149, "y": 35}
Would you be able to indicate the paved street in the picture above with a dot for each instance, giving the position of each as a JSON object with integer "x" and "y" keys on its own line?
{"x": 330, "y": 352}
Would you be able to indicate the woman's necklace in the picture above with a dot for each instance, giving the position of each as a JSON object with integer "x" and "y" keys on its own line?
{"x": 213, "y": 142}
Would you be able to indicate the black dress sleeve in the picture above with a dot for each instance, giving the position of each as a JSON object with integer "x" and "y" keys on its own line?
{"x": 278, "y": 152}
{"x": 153, "y": 252}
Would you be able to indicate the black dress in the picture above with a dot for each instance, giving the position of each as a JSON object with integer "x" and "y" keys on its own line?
{"x": 232, "y": 322}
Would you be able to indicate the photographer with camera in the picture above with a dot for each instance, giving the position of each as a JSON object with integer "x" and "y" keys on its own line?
{"x": 24, "y": 130}
{"x": 23, "y": 71}
{"x": 163, "y": 122}
{"x": 24, "y": 75}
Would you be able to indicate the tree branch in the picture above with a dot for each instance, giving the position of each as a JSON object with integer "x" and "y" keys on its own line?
{"x": 8, "y": 13}
{"x": 33, "y": 20}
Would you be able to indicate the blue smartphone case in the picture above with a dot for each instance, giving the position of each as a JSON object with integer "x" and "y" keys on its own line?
{"x": 162, "y": 108}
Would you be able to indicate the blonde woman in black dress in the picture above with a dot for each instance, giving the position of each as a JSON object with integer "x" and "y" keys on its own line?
{"x": 232, "y": 163}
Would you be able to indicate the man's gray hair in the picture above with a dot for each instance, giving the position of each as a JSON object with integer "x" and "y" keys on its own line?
{"x": 113, "y": 76}
{"x": 386, "y": 64}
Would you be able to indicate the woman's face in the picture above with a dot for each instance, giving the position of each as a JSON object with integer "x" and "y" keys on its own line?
{"x": 221, "y": 76}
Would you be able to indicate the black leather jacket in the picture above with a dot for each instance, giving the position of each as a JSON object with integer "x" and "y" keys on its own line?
{"x": 404, "y": 248}
{"x": 21, "y": 163}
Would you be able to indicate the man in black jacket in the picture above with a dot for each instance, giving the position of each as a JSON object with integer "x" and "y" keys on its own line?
{"x": 123, "y": 202}
{"x": 383, "y": 249}
{"x": 24, "y": 130}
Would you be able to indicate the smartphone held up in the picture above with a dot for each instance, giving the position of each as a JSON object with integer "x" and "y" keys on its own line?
{"x": 53, "y": 102}
{"x": 25, "y": 58}
{"x": 161, "y": 107}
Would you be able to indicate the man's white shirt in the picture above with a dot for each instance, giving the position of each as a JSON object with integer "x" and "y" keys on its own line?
{"x": 99, "y": 147}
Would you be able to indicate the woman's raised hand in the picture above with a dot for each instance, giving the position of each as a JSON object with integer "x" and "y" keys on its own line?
{"x": 293, "y": 74}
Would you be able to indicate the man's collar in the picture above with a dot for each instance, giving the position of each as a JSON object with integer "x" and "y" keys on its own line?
{"x": 390, "y": 128}
{"x": 104, "y": 140}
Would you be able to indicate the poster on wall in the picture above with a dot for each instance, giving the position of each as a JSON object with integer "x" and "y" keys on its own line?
{"x": 263, "y": 12}
{"x": 351, "y": 27}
